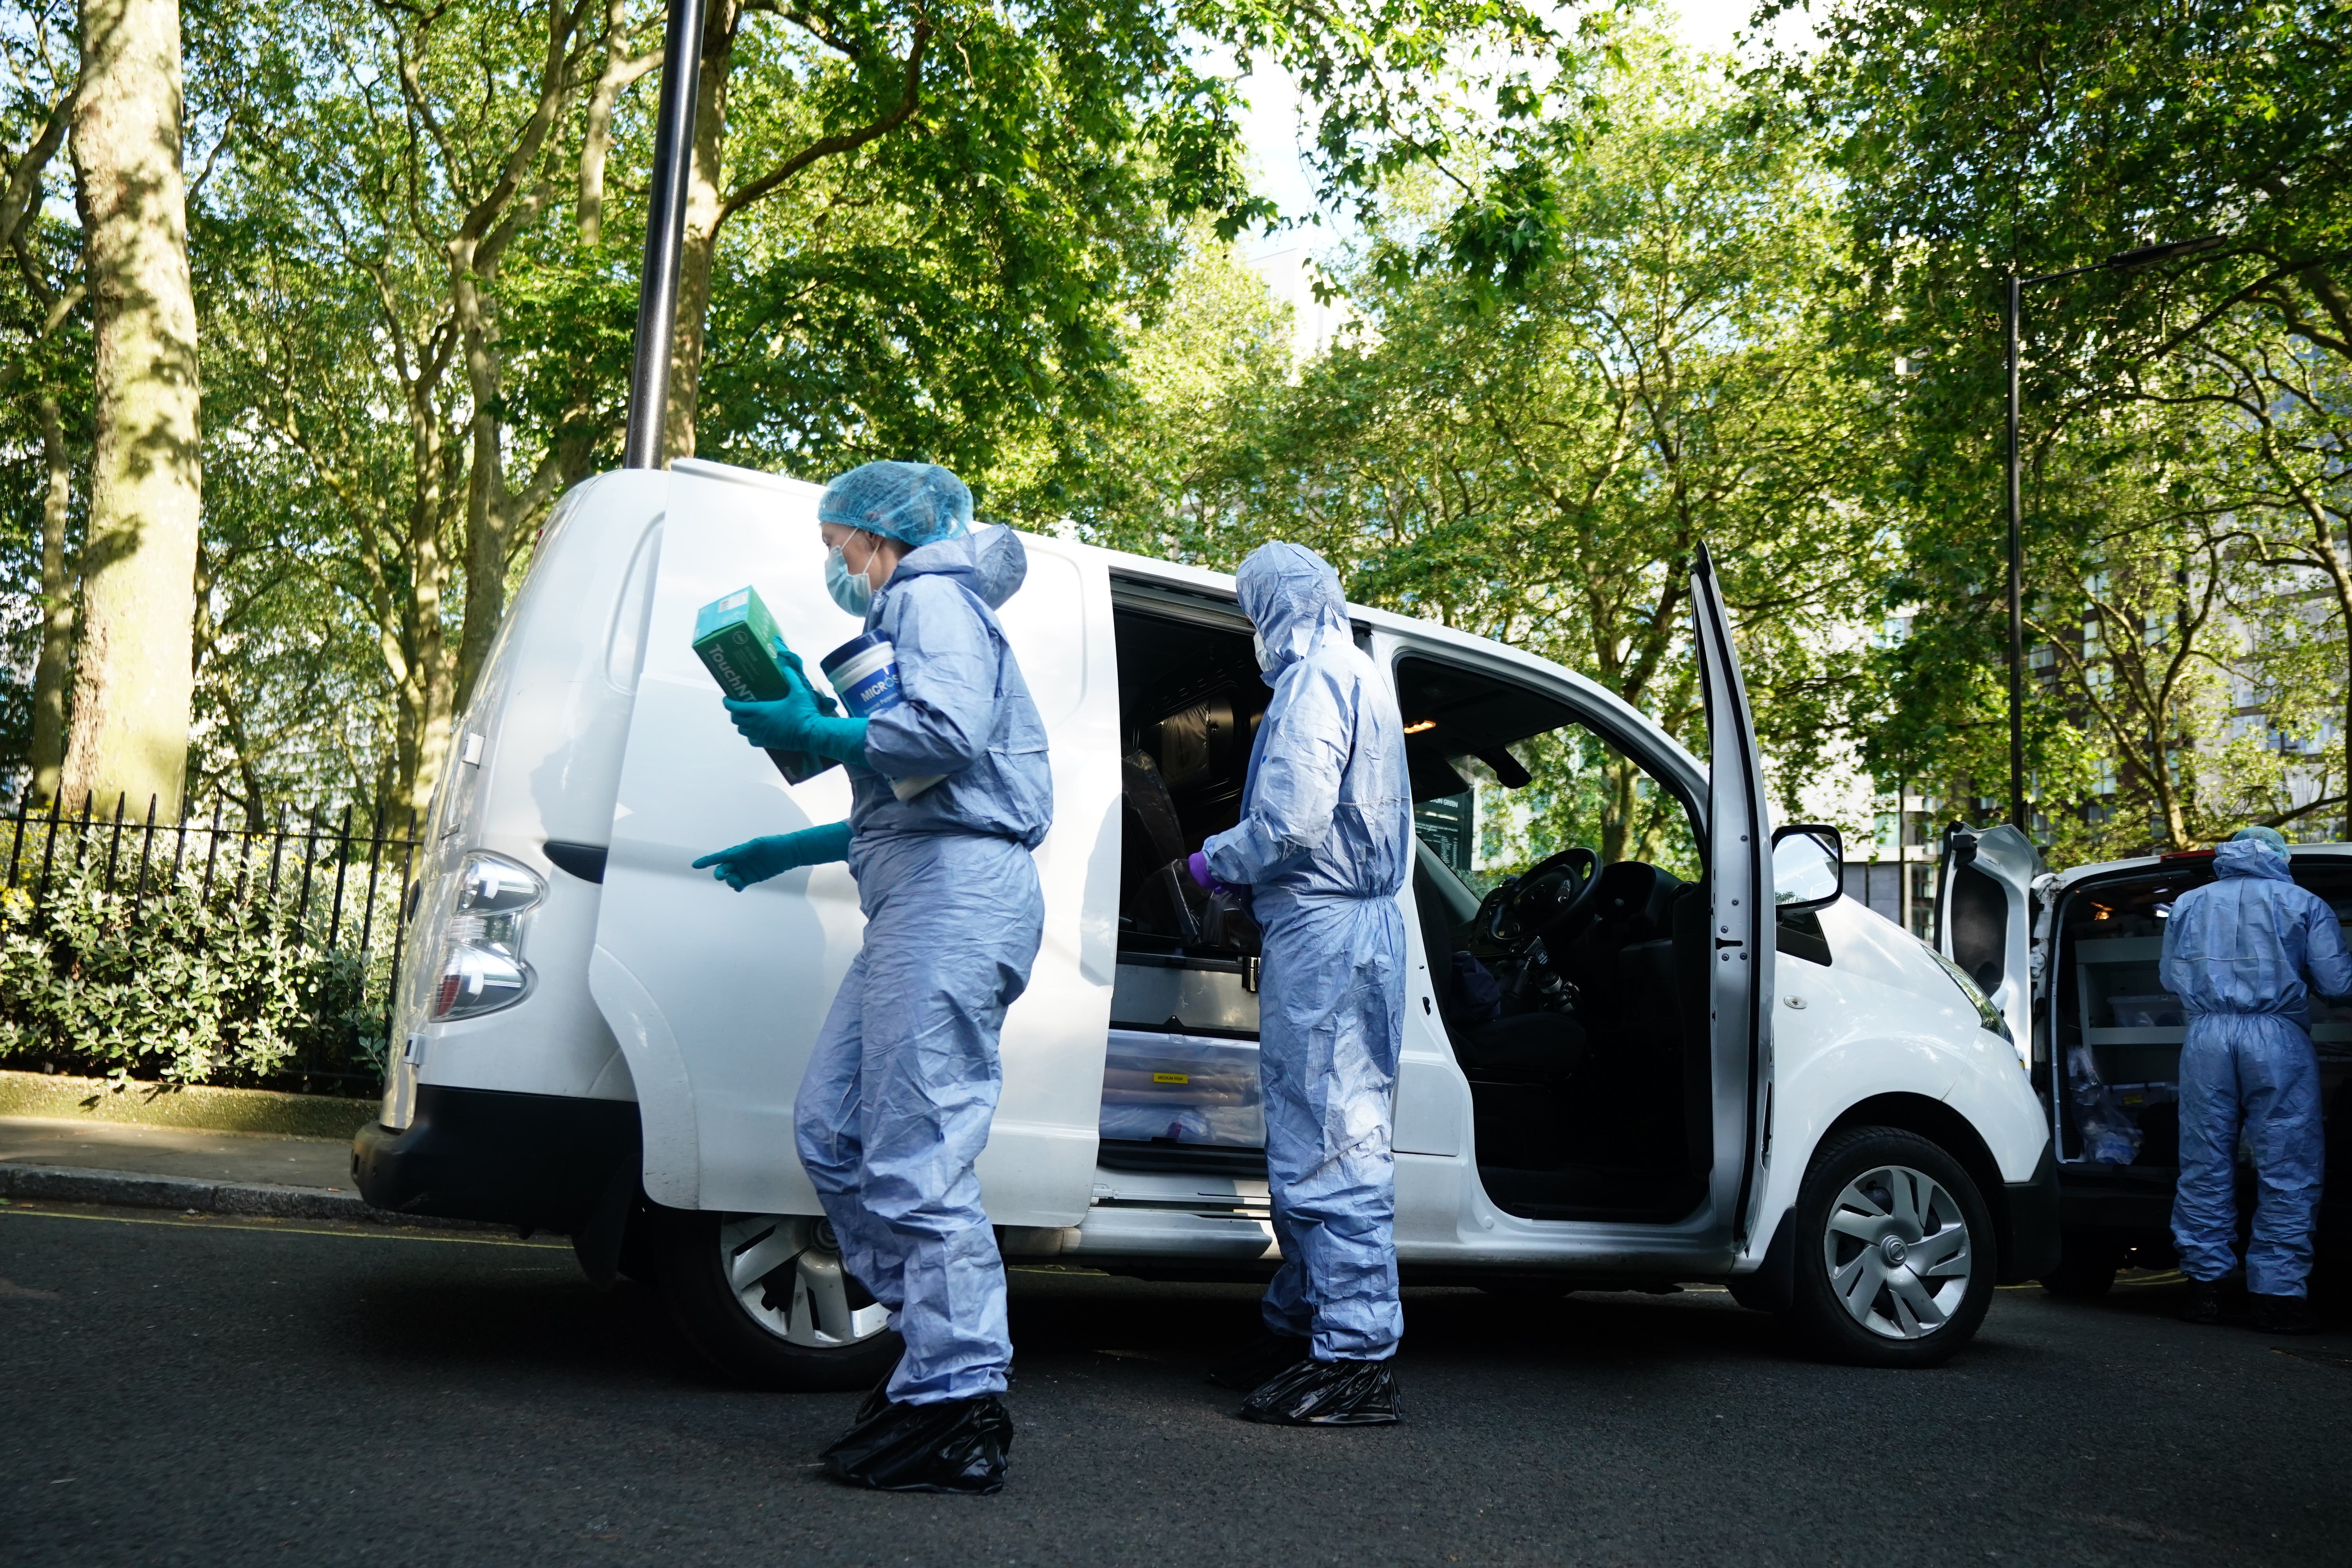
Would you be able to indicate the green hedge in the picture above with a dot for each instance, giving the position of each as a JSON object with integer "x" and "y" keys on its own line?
{"x": 153, "y": 976}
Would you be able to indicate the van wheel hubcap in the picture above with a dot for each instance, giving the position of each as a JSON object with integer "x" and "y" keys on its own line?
{"x": 790, "y": 1283}
{"x": 1897, "y": 1249}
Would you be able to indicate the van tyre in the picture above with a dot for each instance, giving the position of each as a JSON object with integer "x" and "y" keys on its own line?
{"x": 765, "y": 1299}
{"x": 1894, "y": 1251}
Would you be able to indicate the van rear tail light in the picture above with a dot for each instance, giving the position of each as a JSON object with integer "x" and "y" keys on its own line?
{"x": 482, "y": 967}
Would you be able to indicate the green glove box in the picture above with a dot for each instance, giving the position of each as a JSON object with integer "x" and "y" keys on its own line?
{"x": 738, "y": 644}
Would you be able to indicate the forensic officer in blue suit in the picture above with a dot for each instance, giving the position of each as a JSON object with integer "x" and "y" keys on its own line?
{"x": 1324, "y": 844}
{"x": 896, "y": 1105}
{"x": 2243, "y": 953}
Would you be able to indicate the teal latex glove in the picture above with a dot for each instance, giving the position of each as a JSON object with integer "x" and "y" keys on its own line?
{"x": 792, "y": 662}
{"x": 761, "y": 859}
{"x": 800, "y": 721}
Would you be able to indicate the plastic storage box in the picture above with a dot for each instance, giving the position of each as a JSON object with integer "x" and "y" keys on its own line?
{"x": 1183, "y": 1089}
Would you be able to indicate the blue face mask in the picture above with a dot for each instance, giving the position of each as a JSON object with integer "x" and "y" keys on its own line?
{"x": 849, "y": 589}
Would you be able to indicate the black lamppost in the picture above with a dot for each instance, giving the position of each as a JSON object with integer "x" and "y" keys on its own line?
{"x": 681, "y": 72}
{"x": 2122, "y": 260}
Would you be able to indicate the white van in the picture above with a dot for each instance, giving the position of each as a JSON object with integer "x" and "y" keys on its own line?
{"x": 1622, "y": 1069}
{"x": 2075, "y": 954}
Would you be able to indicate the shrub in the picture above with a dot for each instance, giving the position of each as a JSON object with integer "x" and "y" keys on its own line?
{"x": 205, "y": 972}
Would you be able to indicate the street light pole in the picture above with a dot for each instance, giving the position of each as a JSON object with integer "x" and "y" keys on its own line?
{"x": 681, "y": 72}
{"x": 2122, "y": 260}
{"x": 2016, "y": 587}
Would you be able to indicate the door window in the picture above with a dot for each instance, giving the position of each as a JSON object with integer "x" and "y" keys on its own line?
{"x": 1505, "y": 778}
{"x": 1979, "y": 926}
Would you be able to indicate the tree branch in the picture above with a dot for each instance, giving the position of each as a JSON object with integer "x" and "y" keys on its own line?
{"x": 909, "y": 101}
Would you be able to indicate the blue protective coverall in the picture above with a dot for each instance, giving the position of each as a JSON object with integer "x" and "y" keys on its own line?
{"x": 2243, "y": 954}
{"x": 899, "y": 1093}
{"x": 1324, "y": 844}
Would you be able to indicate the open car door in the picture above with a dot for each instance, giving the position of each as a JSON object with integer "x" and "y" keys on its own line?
{"x": 1741, "y": 918}
{"x": 1984, "y": 919}
{"x": 715, "y": 996}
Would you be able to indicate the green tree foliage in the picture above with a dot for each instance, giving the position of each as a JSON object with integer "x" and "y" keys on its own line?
{"x": 1540, "y": 465}
{"x": 1977, "y": 142}
{"x": 912, "y": 228}
{"x": 422, "y": 268}
{"x": 2159, "y": 636}
{"x": 1198, "y": 385}
{"x": 2044, "y": 135}
{"x": 960, "y": 285}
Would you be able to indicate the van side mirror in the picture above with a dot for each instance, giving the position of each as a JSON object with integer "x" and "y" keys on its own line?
{"x": 1808, "y": 866}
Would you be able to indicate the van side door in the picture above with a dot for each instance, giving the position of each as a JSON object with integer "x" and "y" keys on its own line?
{"x": 1740, "y": 919}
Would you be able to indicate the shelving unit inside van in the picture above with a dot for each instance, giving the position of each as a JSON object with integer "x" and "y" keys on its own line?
{"x": 2134, "y": 1026}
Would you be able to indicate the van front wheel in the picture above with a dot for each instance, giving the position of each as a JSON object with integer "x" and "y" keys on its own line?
{"x": 765, "y": 1299}
{"x": 1894, "y": 1251}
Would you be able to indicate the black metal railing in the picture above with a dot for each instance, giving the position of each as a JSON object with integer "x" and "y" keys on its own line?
{"x": 207, "y": 948}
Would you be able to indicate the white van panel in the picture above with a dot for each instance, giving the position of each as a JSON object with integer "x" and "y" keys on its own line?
{"x": 725, "y": 1019}
{"x": 549, "y": 724}
{"x": 1884, "y": 1019}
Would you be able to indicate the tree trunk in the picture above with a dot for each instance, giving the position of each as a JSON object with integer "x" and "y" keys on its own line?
{"x": 134, "y": 681}
{"x": 702, "y": 219}
{"x": 1618, "y": 828}
{"x": 422, "y": 712}
{"x": 424, "y": 673}
{"x": 56, "y": 663}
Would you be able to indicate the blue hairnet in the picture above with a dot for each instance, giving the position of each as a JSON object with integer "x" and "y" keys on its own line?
{"x": 2270, "y": 835}
{"x": 919, "y": 503}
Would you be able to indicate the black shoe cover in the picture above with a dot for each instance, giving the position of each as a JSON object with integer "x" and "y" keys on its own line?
{"x": 1249, "y": 1368}
{"x": 1327, "y": 1393}
{"x": 2283, "y": 1315}
{"x": 2203, "y": 1304}
{"x": 953, "y": 1446}
{"x": 876, "y": 1400}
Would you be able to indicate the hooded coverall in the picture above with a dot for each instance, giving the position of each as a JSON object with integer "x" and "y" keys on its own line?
{"x": 1324, "y": 844}
{"x": 899, "y": 1093}
{"x": 2238, "y": 952}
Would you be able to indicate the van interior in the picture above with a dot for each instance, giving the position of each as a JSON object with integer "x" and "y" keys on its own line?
{"x": 2116, "y": 1073}
{"x": 1180, "y": 1086}
{"x": 1573, "y": 993}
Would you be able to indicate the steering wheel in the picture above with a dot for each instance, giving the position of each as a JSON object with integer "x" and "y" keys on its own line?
{"x": 1555, "y": 891}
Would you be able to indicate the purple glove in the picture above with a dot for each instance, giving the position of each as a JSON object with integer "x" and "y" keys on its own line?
{"x": 1202, "y": 877}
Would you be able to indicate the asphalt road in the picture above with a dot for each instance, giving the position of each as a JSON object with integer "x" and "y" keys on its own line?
{"x": 215, "y": 1391}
